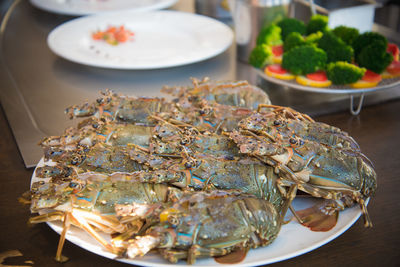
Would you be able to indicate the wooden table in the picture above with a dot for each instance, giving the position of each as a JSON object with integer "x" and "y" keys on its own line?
{"x": 377, "y": 130}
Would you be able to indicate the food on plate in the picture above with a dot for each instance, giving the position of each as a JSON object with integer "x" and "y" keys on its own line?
{"x": 113, "y": 35}
{"x": 374, "y": 57}
{"x": 277, "y": 51}
{"x": 276, "y": 71}
{"x": 304, "y": 59}
{"x": 209, "y": 172}
{"x": 346, "y": 34}
{"x": 393, "y": 70}
{"x": 293, "y": 40}
{"x": 209, "y": 224}
{"x": 335, "y": 48}
{"x": 394, "y": 50}
{"x": 344, "y": 73}
{"x": 313, "y": 38}
{"x": 261, "y": 55}
{"x": 365, "y": 39}
{"x": 370, "y": 79}
{"x": 317, "y": 23}
{"x": 270, "y": 35}
{"x": 289, "y": 25}
{"x": 303, "y": 54}
{"x": 316, "y": 79}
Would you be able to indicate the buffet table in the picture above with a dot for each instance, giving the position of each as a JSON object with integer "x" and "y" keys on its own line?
{"x": 36, "y": 86}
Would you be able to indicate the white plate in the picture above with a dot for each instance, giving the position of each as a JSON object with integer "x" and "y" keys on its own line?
{"x": 161, "y": 39}
{"x": 293, "y": 240}
{"x": 86, "y": 7}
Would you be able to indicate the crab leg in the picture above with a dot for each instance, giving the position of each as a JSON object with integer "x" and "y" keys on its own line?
{"x": 86, "y": 226}
{"x": 66, "y": 225}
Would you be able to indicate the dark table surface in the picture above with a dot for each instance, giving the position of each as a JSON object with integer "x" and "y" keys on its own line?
{"x": 377, "y": 130}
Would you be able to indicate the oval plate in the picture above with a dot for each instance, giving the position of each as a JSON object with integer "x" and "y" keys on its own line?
{"x": 88, "y": 7}
{"x": 160, "y": 40}
{"x": 293, "y": 240}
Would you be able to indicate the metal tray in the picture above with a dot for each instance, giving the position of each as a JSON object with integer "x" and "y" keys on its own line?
{"x": 335, "y": 89}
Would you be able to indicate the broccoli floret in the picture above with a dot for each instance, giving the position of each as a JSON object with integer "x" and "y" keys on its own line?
{"x": 335, "y": 48}
{"x": 317, "y": 23}
{"x": 292, "y": 40}
{"x": 304, "y": 59}
{"x": 313, "y": 38}
{"x": 270, "y": 35}
{"x": 289, "y": 25}
{"x": 347, "y": 34}
{"x": 260, "y": 56}
{"x": 366, "y": 39}
{"x": 344, "y": 73}
{"x": 374, "y": 57}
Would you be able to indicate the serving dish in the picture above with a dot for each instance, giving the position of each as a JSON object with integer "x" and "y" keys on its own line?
{"x": 334, "y": 89}
{"x": 87, "y": 7}
{"x": 293, "y": 240}
{"x": 160, "y": 40}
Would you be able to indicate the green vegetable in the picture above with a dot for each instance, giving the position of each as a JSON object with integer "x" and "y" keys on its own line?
{"x": 317, "y": 23}
{"x": 374, "y": 56}
{"x": 347, "y": 34}
{"x": 289, "y": 25}
{"x": 344, "y": 73}
{"x": 304, "y": 59}
{"x": 260, "y": 56}
{"x": 270, "y": 35}
{"x": 292, "y": 40}
{"x": 313, "y": 38}
{"x": 365, "y": 39}
{"x": 335, "y": 48}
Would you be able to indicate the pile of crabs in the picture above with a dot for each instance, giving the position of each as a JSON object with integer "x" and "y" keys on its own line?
{"x": 210, "y": 173}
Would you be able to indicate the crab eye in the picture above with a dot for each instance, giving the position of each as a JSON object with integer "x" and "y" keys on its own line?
{"x": 188, "y": 165}
{"x": 173, "y": 220}
{"x": 75, "y": 160}
{"x": 276, "y": 123}
{"x": 73, "y": 185}
{"x": 292, "y": 141}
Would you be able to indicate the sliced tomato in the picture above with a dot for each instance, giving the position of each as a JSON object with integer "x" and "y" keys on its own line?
{"x": 277, "y": 50}
{"x": 394, "y": 67}
{"x": 371, "y": 76}
{"x": 111, "y": 29}
{"x": 317, "y": 76}
{"x": 98, "y": 35}
{"x": 276, "y": 68}
{"x": 394, "y": 50}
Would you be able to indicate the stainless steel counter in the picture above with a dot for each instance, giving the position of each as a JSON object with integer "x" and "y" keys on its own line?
{"x": 36, "y": 85}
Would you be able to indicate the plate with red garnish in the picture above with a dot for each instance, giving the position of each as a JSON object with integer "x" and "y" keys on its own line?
{"x": 318, "y": 82}
{"x": 140, "y": 40}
